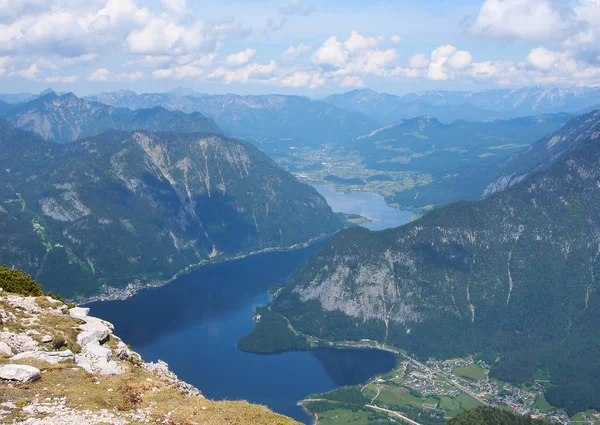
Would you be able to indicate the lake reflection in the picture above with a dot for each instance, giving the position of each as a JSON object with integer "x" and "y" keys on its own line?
{"x": 194, "y": 325}
{"x": 366, "y": 204}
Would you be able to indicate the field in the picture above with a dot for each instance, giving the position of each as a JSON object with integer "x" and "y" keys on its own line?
{"x": 542, "y": 404}
{"x": 342, "y": 417}
{"x": 405, "y": 390}
{"x": 472, "y": 372}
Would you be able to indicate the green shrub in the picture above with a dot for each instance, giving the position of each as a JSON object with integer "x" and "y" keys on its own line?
{"x": 17, "y": 282}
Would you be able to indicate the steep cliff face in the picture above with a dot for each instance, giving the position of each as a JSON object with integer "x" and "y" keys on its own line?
{"x": 59, "y": 366}
{"x": 67, "y": 118}
{"x": 140, "y": 207}
{"x": 514, "y": 274}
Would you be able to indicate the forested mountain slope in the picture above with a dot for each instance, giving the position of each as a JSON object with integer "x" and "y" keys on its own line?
{"x": 513, "y": 276}
{"x": 139, "y": 207}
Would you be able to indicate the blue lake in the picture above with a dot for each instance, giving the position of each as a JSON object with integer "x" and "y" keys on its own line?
{"x": 366, "y": 204}
{"x": 194, "y": 324}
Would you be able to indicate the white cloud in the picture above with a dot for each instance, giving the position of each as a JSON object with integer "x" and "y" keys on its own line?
{"x": 418, "y": 61}
{"x": 531, "y": 20}
{"x": 357, "y": 42}
{"x": 460, "y": 60}
{"x": 250, "y": 73}
{"x": 437, "y": 66}
{"x": 395, "y": 39}
{"x": 178, "y": 72}
{"x": 349, "y": 62}
{"x": 68, "y": 33}
{"x": 176, "y": 8}
{"x": 31, "y": 73}
{"x": 331, "y": 53}
{"x": 302, "y": 79}
{"x": 294, "y": 52}
{"x": 101, "y": 74}
{"x": 241, "y": 58}
{"x": 543, "y": 59}
{"x": 400, "y": 72}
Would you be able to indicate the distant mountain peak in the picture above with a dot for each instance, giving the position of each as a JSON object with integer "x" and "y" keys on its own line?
{"x": 47, "y": 91}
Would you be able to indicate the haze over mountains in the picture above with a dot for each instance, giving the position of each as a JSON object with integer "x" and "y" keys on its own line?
{"x": 273, "y": 122}
{"x": 448, "y": 106}
{"x": 513, "y": 274}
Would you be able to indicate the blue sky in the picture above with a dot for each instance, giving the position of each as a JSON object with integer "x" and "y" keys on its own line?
{"x": 307, "y": 47}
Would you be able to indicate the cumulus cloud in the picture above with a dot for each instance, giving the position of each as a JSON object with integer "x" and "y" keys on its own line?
{"x": 31, "y": 72}
{"x": 460, "y": 60}
{"x": 178, "y": 72}
{"x": 357, "y": 42}
{"x": 101, "y": 74}
{"x": 332, "y": 53}
{"x": 253, "y": 72}
{"x": 542, "y": 58}
{"x": 418, "y": 61}
{"x": 176, "y": 8}
{"x": 302, "y": 79}
{"x": 68, "y": 33}
{"x": 395, "y": 39}
{"x": 347, "y": 63}
{"x": 241, "y": 58}
{"x": 532, "y": 20}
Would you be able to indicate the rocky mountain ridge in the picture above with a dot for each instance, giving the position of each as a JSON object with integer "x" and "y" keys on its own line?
{"x": 126, "y": 210}
{"x": 66, "y": 118}
{"x": 276, "y": 123}
{"x": 481, "y": 105}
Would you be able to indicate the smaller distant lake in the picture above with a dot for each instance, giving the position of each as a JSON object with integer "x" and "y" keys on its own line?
{"x": 366, "y": 204}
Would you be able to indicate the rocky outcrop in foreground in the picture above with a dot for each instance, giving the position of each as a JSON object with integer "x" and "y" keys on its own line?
{"x": 59, "y": 366}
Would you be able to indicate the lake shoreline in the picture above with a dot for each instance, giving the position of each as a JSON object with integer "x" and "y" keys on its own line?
{"x": 121, "y": 294}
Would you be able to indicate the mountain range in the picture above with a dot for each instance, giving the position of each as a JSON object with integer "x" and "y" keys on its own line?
{"x": 137, "y": 207}
{"x": 484, "y": 178}
{"x": 513, "y": 277}
{"x": 425, "y": 144}
{"x": 448, "y": 106}
{"x": 65, "y": 118}
{"x": 273, "y": 122}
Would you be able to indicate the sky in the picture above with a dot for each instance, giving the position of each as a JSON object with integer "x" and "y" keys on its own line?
{"x": 307, "y": 47}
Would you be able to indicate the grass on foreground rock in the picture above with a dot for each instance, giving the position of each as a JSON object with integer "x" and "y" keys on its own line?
{"x": 67, "y": 394}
